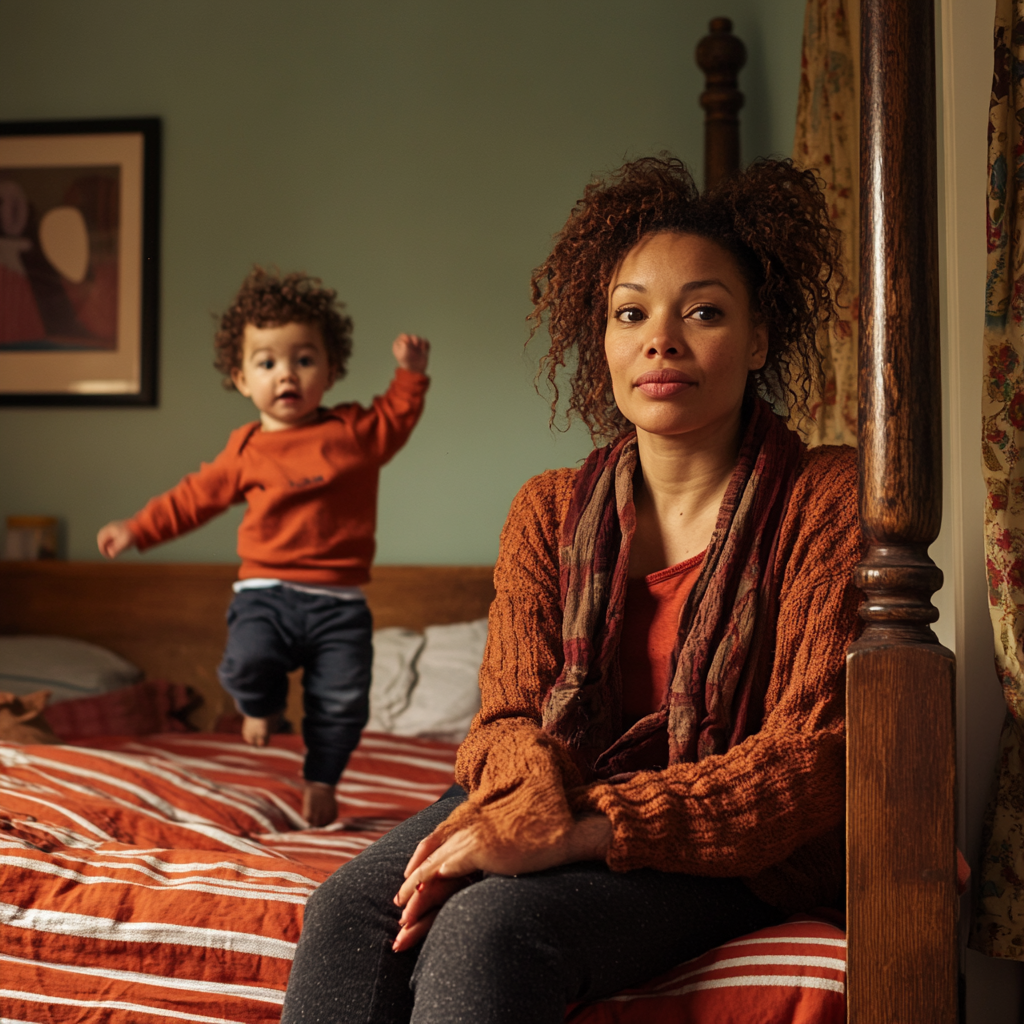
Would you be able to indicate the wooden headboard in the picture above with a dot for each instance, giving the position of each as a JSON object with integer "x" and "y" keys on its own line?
{"x": 168, "y": 618}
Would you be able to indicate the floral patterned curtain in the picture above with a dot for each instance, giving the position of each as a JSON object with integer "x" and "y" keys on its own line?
{"x": 998, "y": 927}
{"x": 826, "y": 140}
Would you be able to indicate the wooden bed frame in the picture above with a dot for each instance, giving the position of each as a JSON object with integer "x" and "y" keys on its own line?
{"x": 901, "y": 881}
{"x": 901, "y": 704}
{"x": 168, "y": 618}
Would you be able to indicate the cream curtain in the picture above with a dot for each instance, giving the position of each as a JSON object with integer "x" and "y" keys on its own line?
{"x": 826, "y": 141}
{"x": 998, "y": 926}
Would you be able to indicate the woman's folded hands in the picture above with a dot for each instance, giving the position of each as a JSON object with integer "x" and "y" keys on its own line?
{"x": 441, "y": 866}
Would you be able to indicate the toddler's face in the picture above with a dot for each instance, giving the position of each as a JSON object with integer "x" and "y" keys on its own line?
{"x": 285, "y": 372}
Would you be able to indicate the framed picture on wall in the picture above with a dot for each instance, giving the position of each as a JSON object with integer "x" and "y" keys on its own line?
{"x": 79, "y": 248}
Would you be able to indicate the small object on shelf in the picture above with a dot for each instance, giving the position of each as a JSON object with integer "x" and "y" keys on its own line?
{"x": 30, "y": 538}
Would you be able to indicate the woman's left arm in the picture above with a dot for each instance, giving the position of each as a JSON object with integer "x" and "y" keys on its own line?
{"x": 741, "y": 812}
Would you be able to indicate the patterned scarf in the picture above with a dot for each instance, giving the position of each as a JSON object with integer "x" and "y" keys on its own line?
{"x": 726, "y": 641}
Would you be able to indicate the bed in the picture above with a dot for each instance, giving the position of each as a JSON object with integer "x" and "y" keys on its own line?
{"x": 155, "y": 877}
{"x": 164, "y": 877}
{"x": 901, "y": 888}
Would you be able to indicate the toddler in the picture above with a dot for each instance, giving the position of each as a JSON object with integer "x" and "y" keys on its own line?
{"x": 309, "y": 475}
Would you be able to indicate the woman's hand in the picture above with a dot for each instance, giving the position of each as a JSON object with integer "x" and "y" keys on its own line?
{"x": 438, "y": 869}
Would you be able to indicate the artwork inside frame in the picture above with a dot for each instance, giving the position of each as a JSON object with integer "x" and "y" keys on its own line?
{"x": 79, "y": 261}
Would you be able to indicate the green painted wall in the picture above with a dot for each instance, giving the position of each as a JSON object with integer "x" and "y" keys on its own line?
{"x": 418, "y": 156}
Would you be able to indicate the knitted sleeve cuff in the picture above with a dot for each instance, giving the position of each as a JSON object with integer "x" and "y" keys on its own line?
{"x": 507, "y": 827}
{"x": 641, "y": 825}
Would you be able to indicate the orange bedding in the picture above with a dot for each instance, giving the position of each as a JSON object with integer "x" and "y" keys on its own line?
{"x": 147, "y": 879}
{"x": 163, "y": 877}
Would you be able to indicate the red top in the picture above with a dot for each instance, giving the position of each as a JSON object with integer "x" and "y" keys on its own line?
{"x": 311, "y": 490}
{"x": 650, "y": 630}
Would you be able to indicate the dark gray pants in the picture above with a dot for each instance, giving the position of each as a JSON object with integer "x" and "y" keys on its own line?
{"x": 274, "y": 630}
{"x": 514, "y": 950}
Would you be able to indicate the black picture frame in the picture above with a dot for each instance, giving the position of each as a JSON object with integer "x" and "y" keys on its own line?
{"x": 84, "y": 367}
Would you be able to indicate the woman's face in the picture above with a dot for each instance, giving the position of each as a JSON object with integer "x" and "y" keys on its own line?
{"x": 680, "y": 340}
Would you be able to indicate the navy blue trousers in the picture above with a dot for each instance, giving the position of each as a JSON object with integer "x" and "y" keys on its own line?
{"x": 274, "y": 631}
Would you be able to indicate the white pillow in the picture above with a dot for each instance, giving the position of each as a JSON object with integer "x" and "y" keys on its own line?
{"x": 446, "y": 692}
{"x": 394, "y": 658}
{"x": 67, "y": 668}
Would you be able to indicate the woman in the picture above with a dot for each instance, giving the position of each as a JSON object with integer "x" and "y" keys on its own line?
{"x": 657, "y": 766}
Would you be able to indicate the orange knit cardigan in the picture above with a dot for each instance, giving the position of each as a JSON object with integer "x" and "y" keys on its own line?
{"x": 771, "y": 809}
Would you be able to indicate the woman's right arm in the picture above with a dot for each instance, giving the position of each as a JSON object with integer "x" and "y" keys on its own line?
{"x": 517, "y": 818}
{"x": 517, "y": 774}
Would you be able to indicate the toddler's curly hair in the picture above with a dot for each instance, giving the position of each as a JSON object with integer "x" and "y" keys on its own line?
{"x": 266, "y": 299}
{"x": 772, "y": 218}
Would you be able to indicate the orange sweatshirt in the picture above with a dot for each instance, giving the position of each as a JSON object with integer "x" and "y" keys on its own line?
{"x": 311, "y": 490}
{"x": 771, "y": 809}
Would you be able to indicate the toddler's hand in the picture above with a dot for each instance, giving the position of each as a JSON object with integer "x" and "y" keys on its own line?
{"x": 411, "y": 352}
{"x": 114, "y": 538}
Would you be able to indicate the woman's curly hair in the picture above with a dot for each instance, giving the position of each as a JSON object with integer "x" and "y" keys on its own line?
{"x": 772, "y": 218}
{"x": 266, "y": 299}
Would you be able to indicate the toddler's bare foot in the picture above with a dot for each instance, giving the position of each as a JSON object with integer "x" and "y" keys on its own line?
{"x": 319, "y": 807}
{"x": 256, "y": 731}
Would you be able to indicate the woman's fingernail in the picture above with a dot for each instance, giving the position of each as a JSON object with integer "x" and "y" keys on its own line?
{"x": 421, "y": 886}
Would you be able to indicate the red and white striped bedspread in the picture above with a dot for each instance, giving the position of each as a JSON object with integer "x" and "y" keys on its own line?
{"x": 793, "y": 973}
{"x": 162, "y": 878}
{"x": 158, "y": 878}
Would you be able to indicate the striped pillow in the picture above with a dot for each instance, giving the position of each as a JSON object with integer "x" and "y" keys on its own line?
{"x": 794, "y": 973}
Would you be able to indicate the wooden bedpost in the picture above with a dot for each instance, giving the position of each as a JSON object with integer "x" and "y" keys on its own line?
{"x": 720, "y": 56}
{"x": 901, "y": 859}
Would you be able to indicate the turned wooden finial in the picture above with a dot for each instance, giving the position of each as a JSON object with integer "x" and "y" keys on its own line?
{"x": 720, "y": 56}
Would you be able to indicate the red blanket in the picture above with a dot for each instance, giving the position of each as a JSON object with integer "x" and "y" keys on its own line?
{"x": 162, "y": 878}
